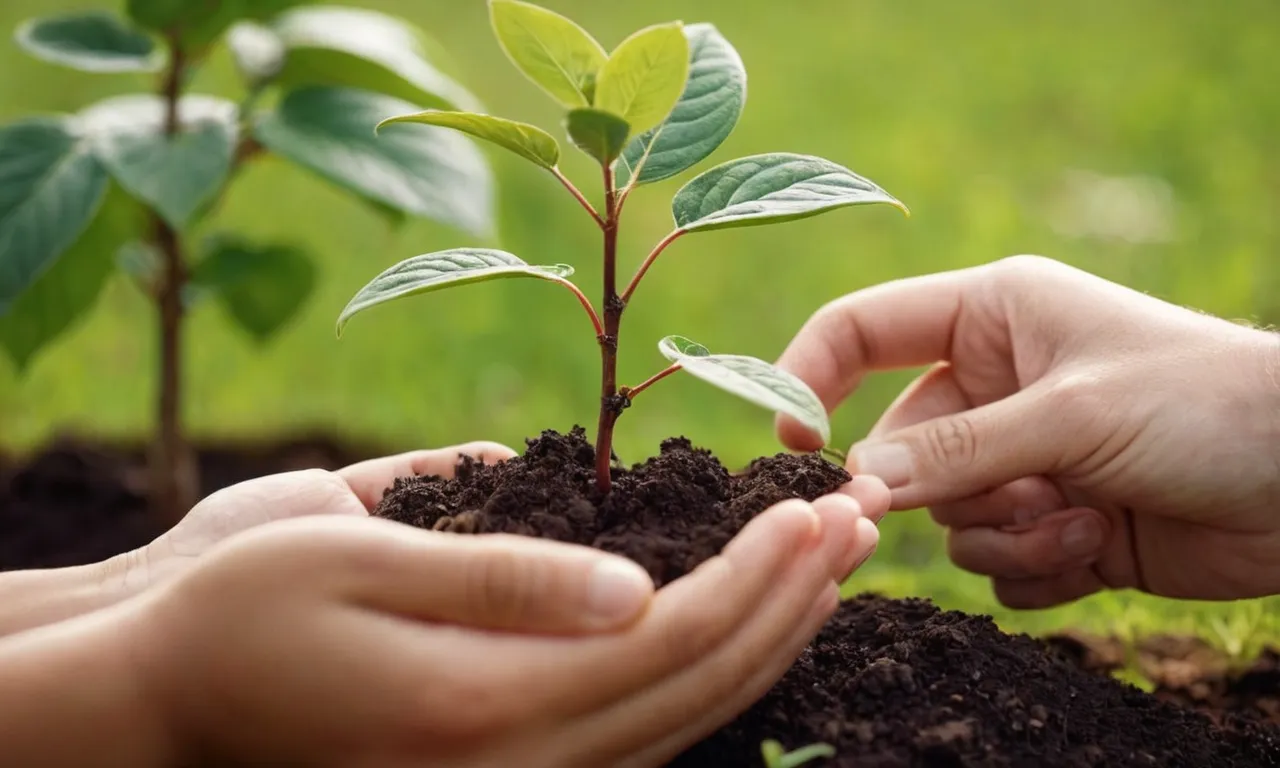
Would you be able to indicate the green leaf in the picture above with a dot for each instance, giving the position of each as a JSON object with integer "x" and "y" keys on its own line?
{"x": 418, "y": 169}
{"x": 435, "y": 271}
{"x": 751, "y": 379}
{"x": 529, "y": 141}
{"x": 706, "y": 114}
{"x": 645, "y": 75}
{"x": 65, "y": 292}
{"x": 599, "y": 134}
{"x": 199, "y": 23}
{"x": 262, "y": 287}
{"x": 258, "y": 51}
{"x": 91, "y": 41}
{"x": 766, "y": 189}
{"x": 176, "y": 175}
{"x": 358, "y": 48}
{"x": 555, "y": 53}
{"x": 50, "y": 190}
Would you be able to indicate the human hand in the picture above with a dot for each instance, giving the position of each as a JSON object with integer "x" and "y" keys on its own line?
{"x": 1072, "y": 435}
{"x": 353, "y": 491}
{"x": 347, "y": 641}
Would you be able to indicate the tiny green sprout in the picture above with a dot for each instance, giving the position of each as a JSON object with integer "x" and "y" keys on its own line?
{"x": 776, "y": 757}
{"x": 658, "y": 104}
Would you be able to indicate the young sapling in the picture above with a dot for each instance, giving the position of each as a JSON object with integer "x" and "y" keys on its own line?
{"x": 776, "y": 756}
{"x": 661, "y": 102}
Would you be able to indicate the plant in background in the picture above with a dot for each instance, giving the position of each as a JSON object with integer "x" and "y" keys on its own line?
{"x": 130, "y": 181}
{"x": 662, "y": 101}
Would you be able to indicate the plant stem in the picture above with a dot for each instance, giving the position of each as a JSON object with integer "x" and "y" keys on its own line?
{"x": 648, "y": 262}
{"x": 611, "y": 405}
{"x": 577, "y": 194}
{"x": 631, "y": 392}
{"x": 173, "y": 474}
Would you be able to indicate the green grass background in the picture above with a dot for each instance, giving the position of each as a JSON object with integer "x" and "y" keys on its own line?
{"x": 969, "y": 112}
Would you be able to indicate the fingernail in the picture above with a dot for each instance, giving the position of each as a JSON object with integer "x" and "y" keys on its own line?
{"x": 1082, "y": 537}
{"x": 618, "y": 590}
{"x": 891, "y": 462}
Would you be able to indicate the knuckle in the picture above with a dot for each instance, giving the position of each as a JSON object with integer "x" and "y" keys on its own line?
{"x": 1022, "y": 267}
{"x": 502, "y": 586}
{"x": 1077, "y": 397}
{"x": 951, "y": 442}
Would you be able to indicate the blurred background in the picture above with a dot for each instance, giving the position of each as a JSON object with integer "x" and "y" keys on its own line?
{"x": 1136, "y": 140}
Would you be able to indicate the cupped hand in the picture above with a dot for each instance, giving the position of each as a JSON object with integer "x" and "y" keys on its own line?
{"x": 1072, "y": 434}
{"x": 360, "y": 642}
{"x": 353, "y": 491}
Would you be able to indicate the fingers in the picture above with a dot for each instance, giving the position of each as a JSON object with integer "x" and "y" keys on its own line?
{"x": 871, "y": 494}
{"x": 726, "y": 681}
{"x": 936, "y": 393}
{"x": 370, "y": 479}
{"x": 895, "y": 325}
{"x": 1059, "y": 542}
{"x": 1015, "y": 505}
{"x": 1047, "y": 592}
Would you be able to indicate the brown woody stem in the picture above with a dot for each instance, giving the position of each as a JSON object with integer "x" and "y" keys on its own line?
{"x": 611, "y": 404}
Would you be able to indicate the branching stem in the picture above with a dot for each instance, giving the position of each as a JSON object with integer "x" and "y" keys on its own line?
{"x": 611, "y": 405}
{"x": 577, "y": 194}
{"x": 648, "y": 262}
{"x": 586, "y": 304}
{"x": 631, "y": 392}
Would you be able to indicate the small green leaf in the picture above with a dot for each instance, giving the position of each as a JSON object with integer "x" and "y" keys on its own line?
{"x": 706, "y": 114}
{"x": 176, "y": 175}
{"x": 199, "y": 23}
{"x": 599, "y": 134}
{"x": 359, "y": 48}
{"x": 529, "y": 141}
{"x": 50, "y": 190}
{"x": 418, "y": 169}
{"x": 261, "y": 287}
{"x": 65, "y": 293}
{"x": 555, "y": 53}
{"x": 766, "y": 189}
{"x": 753, "y": 380}
{"x": 645, "y": 75}
{"x": 90, "y": 41}
{"x": 445, "y": 269}
{"x": 258, "y": 51}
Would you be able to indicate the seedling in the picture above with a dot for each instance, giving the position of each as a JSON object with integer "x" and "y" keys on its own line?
{"x": 662, "y": 101}
{"x": 775, "y": 755}
{"x": 135, "y": 177}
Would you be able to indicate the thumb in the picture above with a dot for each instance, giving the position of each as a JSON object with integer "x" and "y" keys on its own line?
{"x": 960, "y": 455}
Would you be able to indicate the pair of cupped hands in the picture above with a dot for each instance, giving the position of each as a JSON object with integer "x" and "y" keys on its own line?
{"x": 1071, "y": 436}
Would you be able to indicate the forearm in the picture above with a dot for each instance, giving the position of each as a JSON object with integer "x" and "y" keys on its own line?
{"x": 70, "y": 696}
{"x": 30, "y": 599}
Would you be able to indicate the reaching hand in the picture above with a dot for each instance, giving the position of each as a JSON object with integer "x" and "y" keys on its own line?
{"x": 1072, "y": 434}
{"x": 349, "y": 641}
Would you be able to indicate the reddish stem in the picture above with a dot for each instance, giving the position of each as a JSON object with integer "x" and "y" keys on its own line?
{"x": 648, "y": 262}
{"x": 631, "y": 392}
{"x": 586, "y": 304}
{"x": 577, "y": 194}
{"x": 611, "y": 405}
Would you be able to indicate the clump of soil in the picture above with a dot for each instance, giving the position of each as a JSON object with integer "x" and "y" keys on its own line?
{"x": 888, "y": 682}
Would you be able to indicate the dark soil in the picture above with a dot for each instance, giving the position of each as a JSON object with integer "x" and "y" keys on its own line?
{"x": 78, "y": 502}
{"x": 888, "y": 682}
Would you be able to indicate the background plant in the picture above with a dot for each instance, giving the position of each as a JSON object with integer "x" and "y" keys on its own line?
{"x": 661, "y": 102}
{"x": 129, "y": 180}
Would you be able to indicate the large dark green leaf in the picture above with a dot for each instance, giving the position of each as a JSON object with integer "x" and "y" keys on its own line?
{"x": 446, "y": 269}
{"x": 553, "y": 52}
{"x": 600, "y": 134}
{"x": 421, "y": 170}
{"x": 644, "y": 76}
{"x": 262, "y": 287}
{"x": 91, "y": 41}
{"x": 529, "y": 141}
{"x": 767, "y": 189}
{"x": 332, "y": 45}
{"x": 752, "y": 380}
{"x": 65, "y": 293}
{"x": 50, "y": 189}
{"x": 706, "y": 114}
{"x": 198, "y": 23}
{"x": 176, "y": 175}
